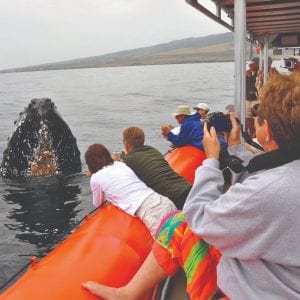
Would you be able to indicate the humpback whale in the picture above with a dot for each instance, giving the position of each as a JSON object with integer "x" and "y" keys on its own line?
{"x": 41, "y": 144}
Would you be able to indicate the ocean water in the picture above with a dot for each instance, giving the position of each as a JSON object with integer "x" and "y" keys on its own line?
{"x": 97, "y": 104}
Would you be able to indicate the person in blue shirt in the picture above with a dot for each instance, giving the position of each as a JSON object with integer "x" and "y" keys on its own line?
{"x": 191, "y": 129}
{"x": 191, "y": 132}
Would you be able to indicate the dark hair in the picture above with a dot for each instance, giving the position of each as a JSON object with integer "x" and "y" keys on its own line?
{"x": 134, "y": 136}
{"x": 97, "y": 157}
{"x": 256, "y": 112}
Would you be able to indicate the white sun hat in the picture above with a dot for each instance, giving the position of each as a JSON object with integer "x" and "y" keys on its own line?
{"x": 202, "y": 105}
{"x": 183, "y": 110}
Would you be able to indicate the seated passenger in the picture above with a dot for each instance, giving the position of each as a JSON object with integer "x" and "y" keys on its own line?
{"x": 202, "y": 109}
{"x": 255, "y": 225}
{"x": 152, "y": 168}
{"x": 191, "y": 132}
{"x": 117, "y": 183}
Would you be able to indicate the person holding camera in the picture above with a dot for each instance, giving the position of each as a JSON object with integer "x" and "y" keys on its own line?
{"x": 190, "y": 133}
{"x": 244, "y": 241}
{"x": 115, "y": 182}
{"x": 152, "y": 168}
{"x": 191, "y": 129}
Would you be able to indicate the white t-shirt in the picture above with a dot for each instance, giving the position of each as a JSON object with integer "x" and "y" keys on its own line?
{"x": 118, "y": 184}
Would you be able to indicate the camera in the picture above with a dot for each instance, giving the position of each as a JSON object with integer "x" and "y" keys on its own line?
{"x": 287, "y": 63}
{"x": 219, "y": 121}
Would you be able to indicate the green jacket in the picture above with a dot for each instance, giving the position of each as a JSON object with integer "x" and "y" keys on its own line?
{"x": 152, "y": 168}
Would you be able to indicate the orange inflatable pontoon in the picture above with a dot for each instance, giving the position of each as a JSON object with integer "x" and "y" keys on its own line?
{"x": 185, "y": 160}
{"x": 108, "y": 247}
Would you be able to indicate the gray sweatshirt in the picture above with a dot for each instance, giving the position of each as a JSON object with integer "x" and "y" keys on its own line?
{"x": 255, "y": 225}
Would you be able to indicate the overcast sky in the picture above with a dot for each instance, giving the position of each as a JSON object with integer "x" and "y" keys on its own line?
{"x": 41, "y": 31}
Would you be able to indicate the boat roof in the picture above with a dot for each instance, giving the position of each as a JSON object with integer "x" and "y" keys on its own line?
{"x": 277, "y": 18}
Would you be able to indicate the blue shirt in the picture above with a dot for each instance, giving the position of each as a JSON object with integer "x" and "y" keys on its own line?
{"x": 191, "y": 133}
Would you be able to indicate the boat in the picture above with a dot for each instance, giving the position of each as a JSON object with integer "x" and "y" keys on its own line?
{"x": 108, "y": 247}
{"x": 259, "y": 26}
{"x": 264, "y": 23}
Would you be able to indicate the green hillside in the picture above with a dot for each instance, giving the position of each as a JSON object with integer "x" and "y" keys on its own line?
{"x": 212, "y": 48}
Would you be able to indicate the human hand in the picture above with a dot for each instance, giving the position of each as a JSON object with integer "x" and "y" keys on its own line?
{"x": 234, "y": 137}
{"x": 165, "y": 129}
{"x": 88, "y": 173}
{"x": 248, "y": 73}
{"x": 211, "y": 143}
{"x": 116, "y": 156}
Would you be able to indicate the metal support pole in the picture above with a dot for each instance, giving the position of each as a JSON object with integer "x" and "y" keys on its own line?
{"x": 261, "y": 57}
{"x": 240, "y": 58}
{"x": 266, "y": 62}
{"x": 250, "y": 49}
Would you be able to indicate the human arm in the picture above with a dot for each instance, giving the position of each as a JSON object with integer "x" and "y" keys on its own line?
{"x": 98, "y": 195}
{"x": 227, "y": 221}
{"x": 235, "y": 146}
{"x": 209, "y": 213}
{"x": 165, "y": 129}
{"x": 190, "y": 133}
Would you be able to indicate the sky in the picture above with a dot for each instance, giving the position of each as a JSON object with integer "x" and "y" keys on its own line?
{"x": 43, "y": 31}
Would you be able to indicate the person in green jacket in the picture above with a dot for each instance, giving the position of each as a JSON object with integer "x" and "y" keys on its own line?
{"x": 152, "y": 168}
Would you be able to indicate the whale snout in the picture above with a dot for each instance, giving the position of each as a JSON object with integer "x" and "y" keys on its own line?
{"x": 41, "y": 144}
{"x": 40, "y": 108}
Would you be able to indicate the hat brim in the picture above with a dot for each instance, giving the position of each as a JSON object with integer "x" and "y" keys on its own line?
{"x": 175, "y": 114}
{"x": 250, "y": 62}
{"x": 198, "y": 108}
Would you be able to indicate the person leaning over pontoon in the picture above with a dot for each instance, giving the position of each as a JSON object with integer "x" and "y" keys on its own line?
{"x": 255, "y": 224}
{"x": 152, "y": 168}
{"x": 117, "y": 183}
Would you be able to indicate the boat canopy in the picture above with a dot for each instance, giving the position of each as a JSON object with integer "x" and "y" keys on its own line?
{"x": 272, "y": 17}
{"x": 267, "y": 23}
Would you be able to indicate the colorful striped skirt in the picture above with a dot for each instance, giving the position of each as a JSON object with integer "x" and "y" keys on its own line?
{"x": 177, "y": 246}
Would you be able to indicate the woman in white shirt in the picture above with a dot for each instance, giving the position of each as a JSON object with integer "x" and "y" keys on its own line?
{"x": 116, "y": 182}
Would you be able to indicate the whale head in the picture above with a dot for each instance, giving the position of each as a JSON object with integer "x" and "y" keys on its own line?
{"x": 41, "y": 143}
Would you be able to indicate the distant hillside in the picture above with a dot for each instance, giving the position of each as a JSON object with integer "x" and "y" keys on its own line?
{"x": 212, "y": 48}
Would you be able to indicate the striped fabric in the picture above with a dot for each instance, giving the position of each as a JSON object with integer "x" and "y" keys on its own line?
{"x": 198, "y": 259}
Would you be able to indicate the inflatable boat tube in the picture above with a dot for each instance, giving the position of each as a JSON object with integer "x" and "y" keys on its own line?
{"x": 108, "y": 247}
{"x": 185, "y": 160}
